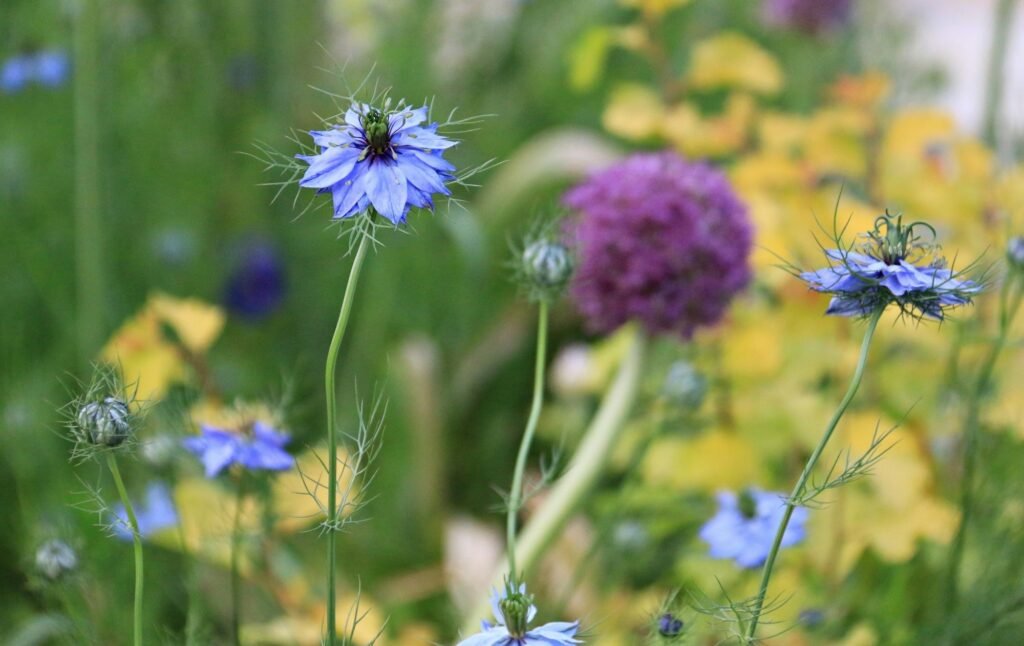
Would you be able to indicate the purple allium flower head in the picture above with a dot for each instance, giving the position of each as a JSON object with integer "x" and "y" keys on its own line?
{"x": 744, "y": 527}
{"x": 256, "y": 285}
{"x": 514, "y": 611}
{"x": 809, "y": 16}
{"x": 380, "y": 158}
{"x": 658, "y": 239}
{"x": 157, "y": 513}
{"x": 219, "y": 449}
{"x": 893, "y": 266}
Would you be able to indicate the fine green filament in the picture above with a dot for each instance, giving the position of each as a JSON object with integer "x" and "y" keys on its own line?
{"x": 136, "y": 541}
{"x": 332, "y": 439}
{"x": 801, "y": 483}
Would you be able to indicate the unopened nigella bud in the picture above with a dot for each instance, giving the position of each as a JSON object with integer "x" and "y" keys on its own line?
{"x": 104, "y": 423}
{"x": 546, "y": 266}
{"x": 684, "y": 386}
{"x": 1015, "y": 253}
{"x": 516, "y": 609}
{"x": 669, "y": 625}
{"x": 55, "y": 559}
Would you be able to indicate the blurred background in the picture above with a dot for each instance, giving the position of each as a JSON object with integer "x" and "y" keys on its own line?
{"x": 133, "y": 198}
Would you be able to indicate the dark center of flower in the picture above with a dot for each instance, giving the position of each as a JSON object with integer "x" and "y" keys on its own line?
{"x": 375, "y": 125}
{"x": 747, "y": 504}
{"x": 515, "y": 608}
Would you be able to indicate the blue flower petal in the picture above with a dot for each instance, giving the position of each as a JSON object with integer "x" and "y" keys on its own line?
{"x": 387, "y": 189}
{"x": 331, "y": 167}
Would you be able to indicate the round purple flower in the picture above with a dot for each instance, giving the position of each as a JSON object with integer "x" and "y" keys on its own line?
{"x": 658, "y": 239}
{"x": 809, "y": 16}
{"x": 256, "y": 285}
{"x": 382, "y": 159}
{"x": 744, "y": 527}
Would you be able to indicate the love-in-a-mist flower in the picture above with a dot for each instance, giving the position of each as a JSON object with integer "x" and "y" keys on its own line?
{"x": 260, "y": 448}
{"x": 744, "y": 527}
{"x": 49, "y": 68}
{"x": 660, "y": 240}
{"x": 809, "y": 16}
{"x": 514, "y": 612}
{"x": 380, "y": 157}
{"x": 892, "y": 266}
{"x": 55, "y": 559}
{"x": 155, "y": 514}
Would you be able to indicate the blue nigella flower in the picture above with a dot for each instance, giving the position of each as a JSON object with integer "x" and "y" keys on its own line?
{"x": 16, "y": 73}
{"x": 157, "y": 513}
{"x": 892, "y": 267}
{"x": 257, "y": 283}
{"x": 52, "y": 67}
{"x": 514, "y": 611}
{"x": 744, "y": 527}
{"x": 382, "y": 159}
{"x": 218, "y": 449}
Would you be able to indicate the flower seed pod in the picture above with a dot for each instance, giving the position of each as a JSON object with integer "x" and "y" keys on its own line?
{"x": 1015, "y": 253}
{"x": 669, "y": 625}
{"x": 104, "y": 423}
{"x": 684, "y": 386}
{"x": 55, "y": 559}
{"x": 546, "y": 267}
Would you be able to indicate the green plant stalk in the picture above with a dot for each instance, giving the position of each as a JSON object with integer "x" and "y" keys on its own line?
{"x": 566, "y": 495}
{"x": 515, "y": 495}
{"x": 332, "y": 435}
{"x": 801, "y": 483}
{"x": 137, "y": 543}
{"x": 1002, "y": 22}
{"x": 236, "y": 544}
{"x": 88, "y": 232}
{"x": 1009, "y": 304}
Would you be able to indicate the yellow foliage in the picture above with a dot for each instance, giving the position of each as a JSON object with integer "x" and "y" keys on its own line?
{"x": 654, "y": 8}
{"x": 710, "y": 461}
{"x": 733, "y": 61}
{"x": 634, "y": 112}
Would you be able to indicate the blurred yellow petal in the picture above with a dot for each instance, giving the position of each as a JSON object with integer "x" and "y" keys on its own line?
{"x": 710, "y": 461}
{"x": 634, "y": 112}
{"x": 865, "y": 91}
{"x": 654, "y": 8}
{"x": 196, "y": 323}
{"x": 731, "y": 60}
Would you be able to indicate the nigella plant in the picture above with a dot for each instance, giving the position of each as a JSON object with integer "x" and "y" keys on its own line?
{"x": 514, "y": 611}
{"x": 743, "y": 529}
{"x": 379, "y": 159}
{"x": 893, "y": 266}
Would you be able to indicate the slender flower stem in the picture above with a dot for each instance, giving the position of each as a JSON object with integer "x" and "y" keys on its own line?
{"x": 586, "y": 466}
{"x": 515, "y": 495}
{"x": 137, "y": 542}
{"x": 88, "y": 232}
{"x": 1002, "y": 22}
{"x": 801, "y": 483}
{"x": 236, "y": 544}
{"x": 1009, "y": 304}
{"x": 332, "y": 435}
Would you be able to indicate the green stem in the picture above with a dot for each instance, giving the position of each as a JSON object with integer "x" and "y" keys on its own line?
{"x": 515, "y": 495}
{"x": 88, "y": 232}
{"x": 1009, "y": 304}
{"x": 1002, "y": 22}
{"x": 236, "y": 544}
{"x": 137, "y": 542}
{"x": 332, "y": 439}
{"x": 801, "y": 483}
{"x": 566, "y": 495}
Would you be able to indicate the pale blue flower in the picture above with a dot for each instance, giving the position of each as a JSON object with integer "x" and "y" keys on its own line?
{"x": 744, "y": 527}
{"x": 382, "y": 159}
{"x": 263, "y": 450}
{"x": 155, "y": 514}
{"x": 514, "y": 612}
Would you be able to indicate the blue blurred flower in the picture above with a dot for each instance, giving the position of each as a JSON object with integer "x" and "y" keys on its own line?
{"x": 744, "y": 527}
{"x": 257, "y": 283}
{"x": 16, "y": 73}
{"x": 156, "y": 514}
{"x": 890, "y": 268}
{"x": 514, "y": 610}
{"x": 52, "y": 67}
{"x": 218, "y": 449}
{"x": 380, "y": 158}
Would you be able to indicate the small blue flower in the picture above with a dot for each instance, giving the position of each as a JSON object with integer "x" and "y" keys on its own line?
{"x": 16, "y": 73}
{"x": 256, "y": 285}
{"x": 381, "y": 159}
{"x": 52, "y": 67}
{"x": 158, "y": 513}
{"x": 889, "y": 270}
{"x": 744, "y": 527}
{"x": 219, "y": 449}
{"x": 514, "y": 611}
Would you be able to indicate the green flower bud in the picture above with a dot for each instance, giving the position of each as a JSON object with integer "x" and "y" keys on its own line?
{"x": 55, "y": 559}
{"x": 104, "y": 423}
{"x": 747, "y": 504}
{"x": 546, "y": 267}
{"x": 515, "y": 608}
{"x": 684, "y": 386}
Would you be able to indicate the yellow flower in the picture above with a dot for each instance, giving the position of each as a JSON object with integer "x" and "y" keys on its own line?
{"x": 866, "y": 91}
{"x": 731, "y": 60}
{"x": 654, "y": 8}
{"x": 710, "y": 461}
{"x": 634, "y": 112}
{"x": 714, "y": 136}
{"x": 835, "y": 142}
